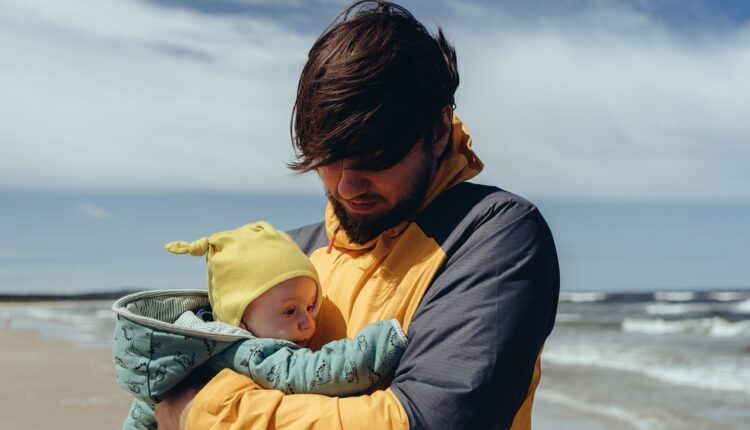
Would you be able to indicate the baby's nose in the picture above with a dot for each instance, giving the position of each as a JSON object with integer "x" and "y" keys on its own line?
{"x": 306, "y": 321}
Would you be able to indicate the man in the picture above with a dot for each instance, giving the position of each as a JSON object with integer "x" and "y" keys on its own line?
{"x": 470, "y": 271}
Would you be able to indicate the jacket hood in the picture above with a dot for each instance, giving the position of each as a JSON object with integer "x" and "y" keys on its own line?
{"x": 458, "y": 165}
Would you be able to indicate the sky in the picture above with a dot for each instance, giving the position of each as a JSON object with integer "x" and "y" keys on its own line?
{"x": 628, "y": 100}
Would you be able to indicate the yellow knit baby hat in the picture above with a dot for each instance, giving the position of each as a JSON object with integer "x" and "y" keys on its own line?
{"x": 245, "y": 263}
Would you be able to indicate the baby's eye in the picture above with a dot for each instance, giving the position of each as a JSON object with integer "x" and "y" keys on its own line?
{"x": 289, "y": 311}
{"x": 310, "y": 308}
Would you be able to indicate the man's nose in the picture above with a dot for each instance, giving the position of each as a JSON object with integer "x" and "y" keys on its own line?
{"x": 352, "y": 183}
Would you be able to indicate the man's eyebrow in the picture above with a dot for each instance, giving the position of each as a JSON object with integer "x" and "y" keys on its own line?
{"x": 377, "y": 161}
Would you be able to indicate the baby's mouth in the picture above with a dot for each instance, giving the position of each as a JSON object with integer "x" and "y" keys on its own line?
{"x": 302, "y": 343}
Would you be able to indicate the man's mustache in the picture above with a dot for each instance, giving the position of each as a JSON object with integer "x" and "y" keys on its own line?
{"x": 366, "y": 198}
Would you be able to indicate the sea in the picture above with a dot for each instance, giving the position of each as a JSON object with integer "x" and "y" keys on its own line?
{"x": 656, "y": 360}
{"x": 653, "y": 324}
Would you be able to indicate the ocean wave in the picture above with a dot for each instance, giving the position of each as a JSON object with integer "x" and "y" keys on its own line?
{"x": 704, "y": 297}
{"x": 581, "y": 297}
{"x": 85, "y": 323}
{"x": 715, "y": 326}
{"x": 565, "y": 317}
{"x": 743, "y": 307}
{"x": 727, "y": 296}
{"x": 677, "y": 308}
{"x": 675, "y": 296}
{"x": 722, "y": 373}
{"x": 82, "y": 319}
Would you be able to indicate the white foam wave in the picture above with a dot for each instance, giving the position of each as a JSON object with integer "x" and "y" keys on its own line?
{"x": 64, "y": 317}
{"x": 743, "y": 307}
{"x": 104, "y": 314}
{"x": 81, "y": 322}
{"x": 715, "y": 326}
{"x": 722, "y": 373}
{"x": 675, "y": 296}
{"x": 564, "y": 317}
{"x": 582, "y": 297}
{"x": 676, "y": 308}
{"x": 727, "y": 296}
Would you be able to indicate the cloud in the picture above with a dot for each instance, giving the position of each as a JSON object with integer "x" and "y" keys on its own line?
{"x": 610, "y": 104}
{"x": 93, "y": 212}
{"x": 577, "y": 99}
{"x": 121, "y": 95}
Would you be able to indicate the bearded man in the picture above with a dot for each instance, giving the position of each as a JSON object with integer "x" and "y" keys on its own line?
{"x": 470, "y": 271}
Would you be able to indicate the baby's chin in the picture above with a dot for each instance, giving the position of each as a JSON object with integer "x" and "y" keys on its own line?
{"x": 302, "y": 343}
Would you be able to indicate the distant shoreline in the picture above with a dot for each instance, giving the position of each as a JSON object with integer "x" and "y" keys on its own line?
{"x": 574, "y": 296}
{"x": 103, "y": 295}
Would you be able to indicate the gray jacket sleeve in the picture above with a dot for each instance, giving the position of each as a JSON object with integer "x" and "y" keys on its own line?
{"x": 340, "y": 368}
{"x": 479, "y": 329}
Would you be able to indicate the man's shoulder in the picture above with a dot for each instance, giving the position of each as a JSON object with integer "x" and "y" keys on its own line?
{"x": 460, "y": 211}
{"x": 310, "y": 237}
{"x": 468, "y": 196}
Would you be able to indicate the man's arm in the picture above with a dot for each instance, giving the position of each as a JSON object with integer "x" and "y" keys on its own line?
{"x": 480, "y": 327}
{"x": 233, "y": 402}
{"x": 171, "y": 413}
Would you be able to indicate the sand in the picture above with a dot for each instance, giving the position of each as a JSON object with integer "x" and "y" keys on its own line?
{"x": 54, "y": 384}
{"x": 553, "y": 416}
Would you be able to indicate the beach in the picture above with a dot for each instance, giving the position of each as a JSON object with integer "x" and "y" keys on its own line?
{"x": 57, "y": 384}
{"x": 638, "y": 361}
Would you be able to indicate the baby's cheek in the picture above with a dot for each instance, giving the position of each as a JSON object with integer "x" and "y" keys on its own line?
{"x": 283, "y": 332}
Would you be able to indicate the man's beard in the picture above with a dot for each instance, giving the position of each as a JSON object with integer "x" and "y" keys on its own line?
{"x": 362, "y": 230}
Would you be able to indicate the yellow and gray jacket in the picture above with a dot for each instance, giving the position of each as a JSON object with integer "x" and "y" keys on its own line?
{"x": 474, "y": 282}
{"x": 159, "y": 341}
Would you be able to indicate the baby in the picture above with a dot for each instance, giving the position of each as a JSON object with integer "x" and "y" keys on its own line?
{"x": 264, "y": 295}
{"x": 259, "y": 280}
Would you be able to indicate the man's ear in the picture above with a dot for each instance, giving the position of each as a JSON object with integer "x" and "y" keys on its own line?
{"x": 441, "y": 132}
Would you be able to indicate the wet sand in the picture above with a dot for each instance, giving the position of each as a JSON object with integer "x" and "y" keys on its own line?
{"x": 553, "y": 416}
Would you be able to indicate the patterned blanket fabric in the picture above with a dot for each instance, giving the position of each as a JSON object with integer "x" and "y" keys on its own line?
{"x": 159, "y": 341}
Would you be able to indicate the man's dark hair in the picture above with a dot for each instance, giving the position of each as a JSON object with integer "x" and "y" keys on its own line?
{"x": 375, "y": 83}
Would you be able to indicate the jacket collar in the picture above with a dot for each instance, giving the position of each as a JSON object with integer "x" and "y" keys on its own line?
{"x": 459, "y": 165}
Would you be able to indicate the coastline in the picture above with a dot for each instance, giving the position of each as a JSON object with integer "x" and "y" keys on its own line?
{"x": 55, "y": 383}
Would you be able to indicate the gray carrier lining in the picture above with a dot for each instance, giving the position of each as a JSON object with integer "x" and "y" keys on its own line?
{"x": 161, "y": 310}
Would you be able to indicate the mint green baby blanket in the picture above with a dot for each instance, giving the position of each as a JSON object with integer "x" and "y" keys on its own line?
{"x": 159, "y": 341}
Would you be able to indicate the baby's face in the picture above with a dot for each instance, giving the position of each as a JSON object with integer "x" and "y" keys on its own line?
{"x": 284, "y": 312}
